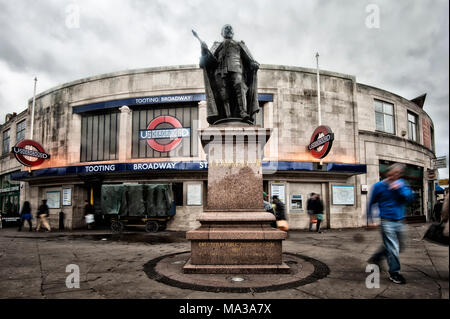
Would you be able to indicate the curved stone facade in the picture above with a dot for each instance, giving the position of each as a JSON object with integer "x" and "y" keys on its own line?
{"x": 288, "y": 97}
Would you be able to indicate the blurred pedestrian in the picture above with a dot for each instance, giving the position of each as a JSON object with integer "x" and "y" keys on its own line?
{"x": 280, "y": 213}
{"x": 310, "y": 209}
{"x": 42, "y": 215}
{"x": 437, "y": 209}
{"x": 318, "y": 211}
{"x": 269, "y": 208}
{"x": 391, "y": 195}
{"x": 89, "y": 214}
{"x": 25, "y": 215}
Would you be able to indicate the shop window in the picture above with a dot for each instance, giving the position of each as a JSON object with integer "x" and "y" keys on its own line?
{"x": 6, "y": 138}
{"x": 177, "y": 189}
{"x": 384, "y": 116}
{"x": 20, "y": 135}
{"x": 414, "y": 177}
{"x": 412, "y": 126}
{"x": 99, "y": 137}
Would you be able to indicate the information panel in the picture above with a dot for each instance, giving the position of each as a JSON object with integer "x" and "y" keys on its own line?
{"x": 343, "y": 194}
{"x": 54, "y": 199}
{"x": 279, "y": 189}
{"x": 194, "y": 194}
{"x": 67, "y": 196}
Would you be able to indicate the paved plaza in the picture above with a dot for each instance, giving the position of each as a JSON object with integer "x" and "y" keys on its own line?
{"x": 33, "y": 265}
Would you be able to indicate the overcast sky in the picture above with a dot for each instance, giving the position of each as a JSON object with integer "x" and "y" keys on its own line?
{"x": 404, "y": 49}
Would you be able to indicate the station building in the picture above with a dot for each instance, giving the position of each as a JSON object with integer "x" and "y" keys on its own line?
{"x": 98, "y": 131}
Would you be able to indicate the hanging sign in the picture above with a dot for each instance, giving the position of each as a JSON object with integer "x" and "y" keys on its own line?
{"x": 27, "y": 149}
{"x": 321, "y": 141}
{"x": 164, "y": 133}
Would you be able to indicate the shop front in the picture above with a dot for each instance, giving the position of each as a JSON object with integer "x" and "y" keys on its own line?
{"x": 9, "y": 200}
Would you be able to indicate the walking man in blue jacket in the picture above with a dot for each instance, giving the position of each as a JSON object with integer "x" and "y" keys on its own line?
{"x": 391, "y": 195}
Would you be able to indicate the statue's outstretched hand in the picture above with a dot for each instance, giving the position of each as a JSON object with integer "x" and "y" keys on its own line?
{"x": 204, "y": 47}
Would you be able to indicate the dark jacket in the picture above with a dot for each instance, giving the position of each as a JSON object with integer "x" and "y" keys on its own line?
{"x": 280, "y": 211}
{"x": 310, "y": 204}
{"x": 25, "y": 211}
{"x": 318, "y": 206}
{"x": 43, "y": 210}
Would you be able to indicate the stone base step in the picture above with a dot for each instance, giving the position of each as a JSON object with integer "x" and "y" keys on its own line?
{"x": 189, "y": 268}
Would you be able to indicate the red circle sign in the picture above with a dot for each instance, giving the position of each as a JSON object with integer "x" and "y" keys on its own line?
{"x": 20, "y": 152}
{"x": 325, "y": 141}
{"x": 153, "y": 143}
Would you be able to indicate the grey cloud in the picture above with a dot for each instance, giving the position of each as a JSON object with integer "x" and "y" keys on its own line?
{"x": 407, "y": 55}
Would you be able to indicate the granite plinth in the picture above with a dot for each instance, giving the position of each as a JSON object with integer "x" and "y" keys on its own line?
{"x": 235, "y": 235}
{"x": 234, "y": 166}
{"x": 236, "y": 252}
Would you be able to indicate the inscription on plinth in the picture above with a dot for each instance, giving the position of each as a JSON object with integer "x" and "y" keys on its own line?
{"x": 236, "y": 252}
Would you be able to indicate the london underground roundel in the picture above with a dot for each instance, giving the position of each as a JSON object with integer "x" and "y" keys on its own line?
{"x": 30, "y": 153}
{"x": 321, "y": 141}
{"x": 164, "y": 133}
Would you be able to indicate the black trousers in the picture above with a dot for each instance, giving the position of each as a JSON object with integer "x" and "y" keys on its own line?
{"x": 22, "y": 221}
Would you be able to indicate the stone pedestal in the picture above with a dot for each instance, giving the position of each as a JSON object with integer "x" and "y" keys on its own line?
{"x": 235, "y": 235}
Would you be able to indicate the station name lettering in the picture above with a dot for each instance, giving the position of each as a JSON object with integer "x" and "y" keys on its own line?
{"x": 147, "y": 166}
{"x": 100, "y": 168}
{"x": 164, "y": 99}
{"x": 167, "y": 133}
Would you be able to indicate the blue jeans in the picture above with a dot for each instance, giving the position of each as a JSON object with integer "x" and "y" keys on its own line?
{"x": 394, "y": 238}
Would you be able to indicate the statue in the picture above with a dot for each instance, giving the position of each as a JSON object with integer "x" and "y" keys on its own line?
{"x": 230, "y": 80}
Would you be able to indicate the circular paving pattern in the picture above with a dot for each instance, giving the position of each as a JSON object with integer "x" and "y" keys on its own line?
{"x": 168, "y": 270}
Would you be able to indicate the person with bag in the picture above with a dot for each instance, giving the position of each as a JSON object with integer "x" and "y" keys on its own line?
{"x": 310, "y": 210}
{"x": 42, "y": 215}
{"x": 25, "y": 215}
{"x": 437, "y": 233}
{"x": 318, "y": 211}
{"x": 280, "y": 213}
{"x": 89, "y": 214}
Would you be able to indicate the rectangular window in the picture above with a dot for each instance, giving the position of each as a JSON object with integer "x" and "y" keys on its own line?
{"x": 6, "y": 138}
{"x": 99, "y": 137}
{"x": 384, "y": 116}
{"x": 20, "y": 135}
{"x": 432, "y": 139}
{"x": 412, "y": 126}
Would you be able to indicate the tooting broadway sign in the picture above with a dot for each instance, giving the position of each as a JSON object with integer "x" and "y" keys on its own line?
{"x": 321, "y": 141}
{"x": 35, "y": 150}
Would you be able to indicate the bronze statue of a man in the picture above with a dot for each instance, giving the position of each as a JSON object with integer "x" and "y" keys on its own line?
{"x": 230, "y": 80}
